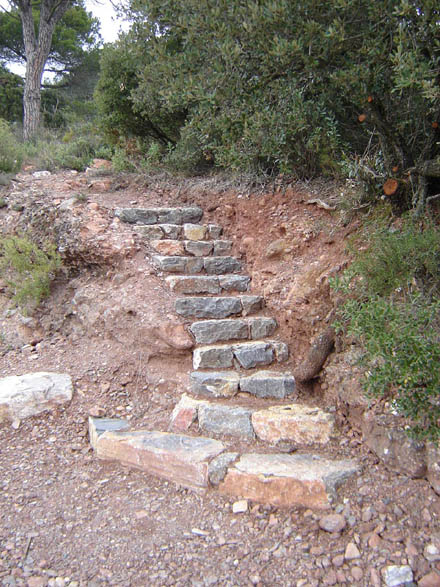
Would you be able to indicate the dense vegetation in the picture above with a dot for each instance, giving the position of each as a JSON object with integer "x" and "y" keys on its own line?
{"x": 263, "y": 88}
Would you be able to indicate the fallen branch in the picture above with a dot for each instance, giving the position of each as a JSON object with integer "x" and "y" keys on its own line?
{"x": 321, "y": 347}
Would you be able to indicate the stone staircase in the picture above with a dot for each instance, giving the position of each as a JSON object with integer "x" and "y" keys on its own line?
{"x": 237, "y": 388}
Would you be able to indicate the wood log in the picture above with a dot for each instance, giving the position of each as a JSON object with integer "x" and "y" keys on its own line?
{"x": 320, "y": 349}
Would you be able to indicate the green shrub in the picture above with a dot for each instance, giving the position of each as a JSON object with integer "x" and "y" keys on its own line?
{"x": 28, "y": 269}
{"x": 401, "y": 340}
{"x": 11, "y": 152}
{"x": 393, "y": 310}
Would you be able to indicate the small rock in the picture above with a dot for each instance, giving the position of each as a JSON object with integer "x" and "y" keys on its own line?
{"x": 357, "y": 573}
{"x": 375, "y": 541}
{"x": 430, "y": 580}
{"x": 432, "y": 552}
{"x": 351, "y": 551}
{"x": 394, "y": 575}
{"x": 332, "y": 523}
{"x": 141, "y": 514}
{"x": 330, "y": 578}
{"x": 37, "y": 582}
{"x": 338, "y": 560}
{"x": 240, "y": 507}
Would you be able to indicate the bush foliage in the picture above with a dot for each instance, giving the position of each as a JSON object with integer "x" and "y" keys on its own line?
{"x": 393, "y": 310}
{"x": 28, "y": 269}
{"x": 277, "y": 86}
{"x": 11, "y": 152}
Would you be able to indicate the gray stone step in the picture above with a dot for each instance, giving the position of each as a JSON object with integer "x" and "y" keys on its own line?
{"x": 193, "y": 232}
{"x": 191, "y": 265}
{"x": 216, "y": 248}
{"x": 291, "y": 425}
{"x": 304, "y": 480}
{"x": 211, "y": 331}
{"x": 218, "y": 307}
{"x": 262, "y": 384}
{"x": 198, "y": 284}
{"x": 150, "y": 216}
{"x": 246, "y": 355}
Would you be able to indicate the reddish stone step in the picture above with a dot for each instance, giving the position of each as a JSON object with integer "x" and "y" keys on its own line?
{"x": 182, "y": 459}
{"x": 287, "y": 480}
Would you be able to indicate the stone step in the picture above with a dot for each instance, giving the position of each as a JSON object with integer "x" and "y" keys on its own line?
{"x": 198, "y": 284}
{"x": 287, "y": 480}
{"x": 191, "y": 265}
{"x": 211, "y": 331}
{"x": 218, "y": 307}
{"x": 184, "y": 215}
{"x": 216, "y": 248}
{"x": 188, "y": 231}
{"x": 291, "y": 425}
{"x": 304, "y": 480}
{"x": 262, "y": 384}
{"x": 246, "y": 355}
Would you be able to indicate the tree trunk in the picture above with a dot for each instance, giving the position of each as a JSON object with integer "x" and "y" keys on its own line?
{"x": 32, "y": 98}
{"x": 37, "y": 51}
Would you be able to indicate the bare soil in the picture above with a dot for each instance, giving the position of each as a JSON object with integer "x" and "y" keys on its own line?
{"x": 67, "y": 518}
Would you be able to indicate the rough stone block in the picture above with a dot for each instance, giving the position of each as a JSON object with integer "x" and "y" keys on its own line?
{"x": 199, "y": 248}
{"x": 281, "y": 350}
{"x": 268, "y": 384}
{"x": 287, "y": 480}
{"x": 188, "y": 284}
{"x": 191, "y": 215}
{"x": 184, "y": 413}
{"x": 222, "y": 248}
{"x": 214, "y": 383}
{"x": 261, "y": 327}
{"x": 201, "y": 307}
{"x": 151, "y": 231}
{"x": 168, "y": 247}
{"x": 214, "y": 231}
{"x": 221, "y": 419}
{"x": 22, "y": 396}
{"x": 176, "y": 457}
{"x": 98, "y": 426}
{"x": 195, "y": 232}
{"x": 251, "y": 304}
{"x": 221, "y": 265}
{"x": 213, "y": 357}
{"x": 252, "y": 354}
{"x": 178, "y": 264}
{"x": 219, "y": 466}
{"x": 234, "y": 282}
{"x": 173, "y": 231}
{"x": 136, "y": 215}
{"x": 211, "y": 331}
{"x": 294, "y": 423}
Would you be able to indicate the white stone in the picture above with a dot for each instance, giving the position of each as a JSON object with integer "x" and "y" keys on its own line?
{"x": 22, "y": 396}
{"x": 240, "y": 507}
{"x": 394, "y": 575}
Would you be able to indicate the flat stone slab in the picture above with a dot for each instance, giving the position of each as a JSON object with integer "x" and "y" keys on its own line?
{"x": 176, "y": 457}
{"x": 97, "y": 427}
{"x": 217, "y": 307}
{"x": 22, "y": 396}
{"x": 287, "y": 480}
{"x": 211, "y": 331}
{"x": 214, "y": 383}
{"x": 269, "y": 384}
{"x": 191, "y": 247}
{"x": 247, "y": 354}
{"x": 194, "y": 284}
{"x": 190, "y": 265}
{"x": 221, "y": 419}
{"x": 159, "y": 215}
{"x": 294, "y": 423}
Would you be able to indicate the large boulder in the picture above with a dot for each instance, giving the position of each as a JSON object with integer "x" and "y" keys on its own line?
{"x": 22, "y": 396}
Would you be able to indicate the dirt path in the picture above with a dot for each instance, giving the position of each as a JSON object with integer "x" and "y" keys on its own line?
{"x": 68, "y": 519}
